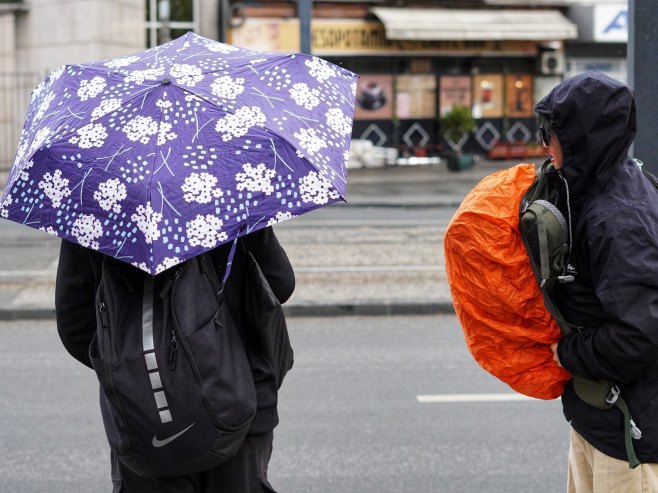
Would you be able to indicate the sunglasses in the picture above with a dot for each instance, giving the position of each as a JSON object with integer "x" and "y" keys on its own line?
{"x": 544, "y": 135}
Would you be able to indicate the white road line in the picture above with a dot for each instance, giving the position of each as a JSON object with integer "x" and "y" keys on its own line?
{"x": 24, "y": 275}
{"x": 373, "y": 268}
{"x": 442, "y": 398}
{"x": 314, "y": 223}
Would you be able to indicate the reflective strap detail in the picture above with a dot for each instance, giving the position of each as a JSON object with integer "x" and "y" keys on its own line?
{"x": 160, "y": 399}
{"x": 151, "y": 362}
{"x": 148, "y": 342}
{"x": 147, "y": 315}
{"x": 165, "y": 416}
{"x": 156, "y": 383}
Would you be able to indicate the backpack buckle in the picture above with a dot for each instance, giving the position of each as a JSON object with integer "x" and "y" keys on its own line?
{"x": 613, "y": 395}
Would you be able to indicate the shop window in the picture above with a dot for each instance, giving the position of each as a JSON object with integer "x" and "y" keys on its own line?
{"x": 169, "y": 19}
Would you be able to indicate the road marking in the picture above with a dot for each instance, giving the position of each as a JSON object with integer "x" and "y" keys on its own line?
{"x": 24, "y": 275}
{"x": 356, "y": 223}
{"x": 441, "y": 398}
{"x": 373, "y": 268}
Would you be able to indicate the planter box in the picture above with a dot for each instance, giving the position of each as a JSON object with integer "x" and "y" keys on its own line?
{"x": 460, "y": 163}
{"x": 505, "y": 150}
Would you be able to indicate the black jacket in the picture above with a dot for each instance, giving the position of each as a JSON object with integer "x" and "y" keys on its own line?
{"x": 614, "y": 256}
{"x": 78, "y": 278}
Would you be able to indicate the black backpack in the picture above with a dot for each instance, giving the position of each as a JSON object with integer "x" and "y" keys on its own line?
{"x": 177, "y": 392}
{"x": 546, "y": 234}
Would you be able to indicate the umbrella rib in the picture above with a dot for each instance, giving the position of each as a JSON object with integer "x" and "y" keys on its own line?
{"x": 164, "y": 162}
{"x": 198, "y": 130}
{"x": 263, "y": 95}
{"x": 164, "y": 200}
{"x": 278, "y": 156}
{"x": 81, "y": 184}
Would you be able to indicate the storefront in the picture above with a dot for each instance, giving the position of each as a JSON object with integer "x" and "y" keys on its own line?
{"x": 602, "y": 39}
{"x": 417, "y": 64}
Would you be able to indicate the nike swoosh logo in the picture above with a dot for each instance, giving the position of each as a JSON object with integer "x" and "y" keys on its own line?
{"x": 162, "y": 443}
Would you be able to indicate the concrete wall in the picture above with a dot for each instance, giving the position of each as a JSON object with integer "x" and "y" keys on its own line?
{"x": 208, "y": 18}
{"x": 7, "y": 42}
{"x": 49, "y": 34}
{"x": 55, "y": 32}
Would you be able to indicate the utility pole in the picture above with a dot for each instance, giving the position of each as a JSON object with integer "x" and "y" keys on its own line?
{"x": 305, "y": 12}
{"x": 223, "y": 20}
{"x": 643, "y": 77}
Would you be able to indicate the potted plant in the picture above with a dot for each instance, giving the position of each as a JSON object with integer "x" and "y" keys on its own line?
{"x": 457, "y": 125}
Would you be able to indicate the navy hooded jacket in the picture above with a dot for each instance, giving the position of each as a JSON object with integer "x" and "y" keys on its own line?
{"x": 614, "y": 256}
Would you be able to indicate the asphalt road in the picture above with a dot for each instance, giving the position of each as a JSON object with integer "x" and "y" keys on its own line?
{"x": 351, "y": 420}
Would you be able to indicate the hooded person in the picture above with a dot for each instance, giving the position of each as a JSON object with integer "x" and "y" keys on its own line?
{"x": 588, "y": 124}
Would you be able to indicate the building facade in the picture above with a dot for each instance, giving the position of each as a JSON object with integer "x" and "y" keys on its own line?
{"x": 416, "y": 59}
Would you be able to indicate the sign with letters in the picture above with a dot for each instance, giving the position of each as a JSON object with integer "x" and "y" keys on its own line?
{"x": 611, "y": 23}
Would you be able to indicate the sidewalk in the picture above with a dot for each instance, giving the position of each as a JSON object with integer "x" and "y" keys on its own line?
{"x": 29, "y": 258}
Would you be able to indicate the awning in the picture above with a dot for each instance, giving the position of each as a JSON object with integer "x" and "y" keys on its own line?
{"x": 474, "y": 25}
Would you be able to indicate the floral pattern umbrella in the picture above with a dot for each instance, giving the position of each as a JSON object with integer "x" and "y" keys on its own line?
{"x": 156, "y": 157}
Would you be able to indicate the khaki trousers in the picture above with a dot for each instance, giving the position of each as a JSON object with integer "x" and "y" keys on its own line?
{"x": 591, "y": 471}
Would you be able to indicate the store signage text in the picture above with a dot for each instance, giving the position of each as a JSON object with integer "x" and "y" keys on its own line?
{"x": 611, "y": 23}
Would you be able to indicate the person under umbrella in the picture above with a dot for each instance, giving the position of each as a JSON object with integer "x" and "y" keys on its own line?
{"x": 158, "y": 157}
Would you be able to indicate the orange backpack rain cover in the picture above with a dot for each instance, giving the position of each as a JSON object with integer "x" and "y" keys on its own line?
{"x": 494, "y": 291}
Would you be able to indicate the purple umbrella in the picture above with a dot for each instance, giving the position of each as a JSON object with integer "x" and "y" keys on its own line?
{"x": 158, "y": 156}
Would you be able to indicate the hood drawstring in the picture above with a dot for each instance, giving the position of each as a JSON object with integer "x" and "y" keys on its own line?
{"x": 567, "y": 278}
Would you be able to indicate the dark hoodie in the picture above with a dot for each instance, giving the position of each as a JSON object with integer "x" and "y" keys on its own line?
{"x": 614, "y": 212}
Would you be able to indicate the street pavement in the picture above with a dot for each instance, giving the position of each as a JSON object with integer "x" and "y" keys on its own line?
{"x": 380, "y": 272}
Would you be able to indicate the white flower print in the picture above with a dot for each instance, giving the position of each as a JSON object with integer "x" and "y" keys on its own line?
{"x": 50, "y": 230}
{"x": 109, "y": 194}
{"x": 87, "y": 229}
{"x": 40, "y": 138}
{"x": 320, "y": 69}
{"x": 37, "y": 91}
{"x": 238, "y": 124}
{"x": 164, "y": 133}
{"x": 141, "y": 128}
{"x": 43, "y": 106}
{"x": 280, "y": 216}
{"x": 317, "y": 189}
{"x": 310, "y": 141}
{"x": 305, "y": 96}
{"x": 91, "y": 135}
{"x": 55, "y": 187}
{"x": 121, "y": 62}
{"x": 163, "y": 103}
{"x": 226, "y": 87}
{"x": 4, "y": 212}
{"x": 185, "y": 74}
{"x": 23, "y": 174}
{"x": 105, "y": 107}
{"x": 340, "y": 123}
{"x": 200, "y": 188}
{"x": 140, "y": 76}
{"x": 91, "y": 88}
{"x": 220, "y": 47}
{"x": 56, "y": 74}
{"x": 257, "y": 60}
{"x": 258, "y": 179}
{"x": 206, "y": 231}
{"x": 147, "y": 221}
{"x": 167, "y": 262}
{"x": 20, "y": 152}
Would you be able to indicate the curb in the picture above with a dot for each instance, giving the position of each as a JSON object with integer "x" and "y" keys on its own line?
{"x": 328, "y": 310}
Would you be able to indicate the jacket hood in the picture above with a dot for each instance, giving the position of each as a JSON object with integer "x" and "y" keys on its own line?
{"x": 593, "y": 116}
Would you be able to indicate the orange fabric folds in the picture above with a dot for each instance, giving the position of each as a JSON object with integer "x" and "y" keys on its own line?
{"x": 496, "y": 297}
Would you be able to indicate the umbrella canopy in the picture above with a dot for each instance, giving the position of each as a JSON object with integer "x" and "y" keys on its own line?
{"x": 158, "y": 156}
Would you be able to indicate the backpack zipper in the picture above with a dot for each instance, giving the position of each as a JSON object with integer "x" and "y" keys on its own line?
{"x": 173, "y": 350}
